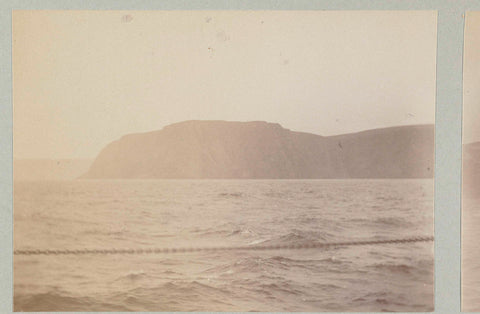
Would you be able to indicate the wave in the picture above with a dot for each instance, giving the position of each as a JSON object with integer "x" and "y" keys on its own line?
{"x": 297, "y": 236}
{"x": 227, "y": 230}
{"x": 312, "y": 262}
{"x": 231, "y": 195}
{"x": 274, "y": 194}
{"x": 394, "y": 268}
{"x": 392, "y": 221}
{"x": 55, "y": 301}
{"x": 103, "y": 231}
{"x": 175, "y": 296}
{"x": 133, "y": 276}
{"x": 271, "y": 266}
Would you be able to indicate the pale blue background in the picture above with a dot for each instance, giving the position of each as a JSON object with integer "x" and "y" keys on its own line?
{"x": 448, "y": 116}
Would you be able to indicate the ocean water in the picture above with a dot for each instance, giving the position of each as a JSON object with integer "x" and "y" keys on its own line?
{"x": 470, "y": 254}
{"x": 197, "y": 213}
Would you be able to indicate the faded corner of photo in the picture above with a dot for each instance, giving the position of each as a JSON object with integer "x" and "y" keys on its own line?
{"x": 471, "y": 166}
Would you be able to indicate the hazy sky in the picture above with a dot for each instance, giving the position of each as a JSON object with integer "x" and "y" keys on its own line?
{"x": 85, "y": 78}
{"x": 471, "y": 79}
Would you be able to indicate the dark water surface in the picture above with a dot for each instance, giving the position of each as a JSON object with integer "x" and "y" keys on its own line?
{"x": 470, "y": 254}
{"x": 184, "y": 213}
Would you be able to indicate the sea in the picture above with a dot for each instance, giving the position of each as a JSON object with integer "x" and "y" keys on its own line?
{"x": 470, "y": 253}
{"x": 143, "y": 214}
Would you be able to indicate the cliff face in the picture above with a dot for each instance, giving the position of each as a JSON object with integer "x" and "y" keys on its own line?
{"x": 219, "y": 149}
{"x": 471, "y": 169}
{"x": 397, "y": 152}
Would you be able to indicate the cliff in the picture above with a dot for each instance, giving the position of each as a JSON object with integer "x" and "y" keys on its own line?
{"x": 471, "y": 169}
{"x": 260, "y": 150}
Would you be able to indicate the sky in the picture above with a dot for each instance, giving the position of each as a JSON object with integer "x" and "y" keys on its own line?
{"x": 82, "y": 79}
{"x": 471, "y": 79}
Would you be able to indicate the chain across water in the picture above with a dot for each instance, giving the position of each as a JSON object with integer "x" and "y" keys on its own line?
{"x": 220, "y": 248}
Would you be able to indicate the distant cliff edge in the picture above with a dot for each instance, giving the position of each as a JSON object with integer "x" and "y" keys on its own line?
{"x": 261, "y": 150}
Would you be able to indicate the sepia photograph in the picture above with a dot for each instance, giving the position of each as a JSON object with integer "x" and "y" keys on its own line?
{"x": 471, "y": 166}
{"x": 228, "y": 161}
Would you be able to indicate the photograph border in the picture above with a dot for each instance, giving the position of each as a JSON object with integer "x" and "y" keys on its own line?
{"x": 448, "y": 117}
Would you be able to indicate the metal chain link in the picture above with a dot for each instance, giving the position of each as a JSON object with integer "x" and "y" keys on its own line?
{"x": 221, "y": 248}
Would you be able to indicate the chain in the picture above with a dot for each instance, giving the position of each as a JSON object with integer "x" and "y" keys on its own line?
{"x": 220, "y": 248}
